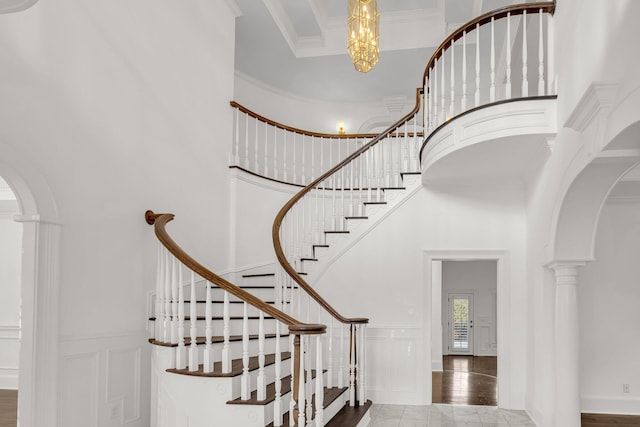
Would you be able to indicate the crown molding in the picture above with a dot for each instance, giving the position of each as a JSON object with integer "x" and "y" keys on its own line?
{"x": 12, "y": 6}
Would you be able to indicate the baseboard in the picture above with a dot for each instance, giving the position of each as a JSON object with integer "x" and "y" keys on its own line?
{"x": 9, "y": 378}
{"x": 610, "y": 405}
{"x": 436, "y": 366}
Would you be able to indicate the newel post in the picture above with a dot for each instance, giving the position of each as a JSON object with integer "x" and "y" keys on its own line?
{"x": 567, "y": 351}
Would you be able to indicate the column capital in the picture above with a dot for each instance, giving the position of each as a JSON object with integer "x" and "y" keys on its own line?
{"x": 566, "y": 271}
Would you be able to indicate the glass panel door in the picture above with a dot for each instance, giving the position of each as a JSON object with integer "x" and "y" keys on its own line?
{"x": 460, "y": 323}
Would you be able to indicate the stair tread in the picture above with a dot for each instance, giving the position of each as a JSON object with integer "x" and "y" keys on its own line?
{"x": 260, "y": 275}
{"x": 330, "y": 395}
{"x": 320, "y": 246}
{"x": 375, "y": 203}
{"x": 356, "y": 217}
{"x": 308, "y": 259}
{"x": 222, "y": 302}
{"x": 236, "y": 367}
{"x": 349, "y": 415}
{"x": 271, "y": 392}
{"x": 394, "y": 188}
{"x": 336, "y": 232}
{"x": 215, "y": 339}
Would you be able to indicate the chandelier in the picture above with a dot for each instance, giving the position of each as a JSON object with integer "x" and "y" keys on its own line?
{"x": 363, "y": 34}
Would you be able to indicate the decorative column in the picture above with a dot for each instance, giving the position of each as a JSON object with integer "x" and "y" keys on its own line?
{"x": 567, "y": 351}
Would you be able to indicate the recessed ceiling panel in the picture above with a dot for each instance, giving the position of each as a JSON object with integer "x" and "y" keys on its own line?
{"x": 339, "y": 7}
{"x": 302, "y": 17}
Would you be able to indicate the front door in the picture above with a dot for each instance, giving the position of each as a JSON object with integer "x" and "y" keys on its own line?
{"x": 460, "y": 322}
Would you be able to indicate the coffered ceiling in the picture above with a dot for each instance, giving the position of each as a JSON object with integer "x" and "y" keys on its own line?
{"x": 299, "y": 46}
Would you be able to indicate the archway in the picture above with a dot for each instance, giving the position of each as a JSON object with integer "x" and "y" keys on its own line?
{"x": 39, "y": 289}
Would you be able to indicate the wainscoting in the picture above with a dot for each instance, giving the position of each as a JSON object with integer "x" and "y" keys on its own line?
{"x": 9, "y": 352}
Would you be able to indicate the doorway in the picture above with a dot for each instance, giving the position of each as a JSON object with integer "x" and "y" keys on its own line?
{"x": 468, "y": 291}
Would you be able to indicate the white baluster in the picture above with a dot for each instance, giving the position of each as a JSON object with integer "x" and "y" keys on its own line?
{"x": 159, "y": 303}
{"x": 167, "y": 299}
{"x": 181, "y": 352}
{"x": 293, "y": 159}
{"x": 236, "y": 139}
{"x": 508, "y": 61}
{"x": 303, "y": 180}
{"x": 551, "y": 72}
{"x": 266, "y": 149}
{"x": 309, "y": 382}
{"x": 193, "y": 314}
{"x": 492, "y": 89}
{"x": 477, "y": 97}
{"x": 525, "y": 83}
{"x": 255, "y": 147}
{"x": 292, "y": 402}
{"x": 207, "y": 359}
{"x": 342, "y": 356}
{"x": 226, "y": 348}
{"x": 285, "y": 167}
{"x": 313, "y": 158}
{"x": 442, "y": 106}
{"x": 453, "y": 82}
{"x": 275, "y": 152}
{"x": 414, "y": 149}
{"x": 352, "y": 365}
{"x": 541, "y": 84}
{"x": 245, "y": 388}
{"x": 301, "y": 390}
{"x": 174, "y": 301}
{"x": 463, "y": 101}
{"x": 319, "y": 384}
{"x": 246, "y": 141}
{"x": 262, "y": 383}
{"x": 277, "y": 404}
{"x": 363, "y": 367}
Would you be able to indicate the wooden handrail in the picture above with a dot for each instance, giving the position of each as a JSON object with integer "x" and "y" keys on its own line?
{"x": 160, "y": 220}
{"x": 273, "y": 123}
{"x": 516, "y": 9}
{"x": 277, "y": 223}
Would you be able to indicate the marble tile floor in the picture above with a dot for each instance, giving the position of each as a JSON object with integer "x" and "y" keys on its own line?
{"x": 441, "y": 415}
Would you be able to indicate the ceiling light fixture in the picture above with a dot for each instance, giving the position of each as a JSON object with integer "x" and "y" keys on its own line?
{"x": 363, "y": 34}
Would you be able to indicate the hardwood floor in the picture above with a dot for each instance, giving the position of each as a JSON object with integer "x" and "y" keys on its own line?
{"x": 466, "y": 380}
{"x": 8, "y": 408}
{"x": 603, "y": 420}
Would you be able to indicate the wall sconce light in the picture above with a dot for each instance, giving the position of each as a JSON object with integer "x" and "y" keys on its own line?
{"x": 340, "y": 127}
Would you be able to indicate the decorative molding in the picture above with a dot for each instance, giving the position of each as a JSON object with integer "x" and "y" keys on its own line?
{"x": 90, "y": 380}
{"x": 598, "y": 98}
{"x": 101, "y": 337}
{"x": 136, "y": 354}
{"x": 12, "y": 6}
{"x": 37, "y": 218}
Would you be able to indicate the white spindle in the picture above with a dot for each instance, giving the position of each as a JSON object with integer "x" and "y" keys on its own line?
{"x": 342, "y": 356}
{"x": 262, "y": 383}
{"x": 181, "y": 352}
{"x": 226, "y": 348}
{"x": 193, "y": 314}
{"x": 463, "y": 101}
{"x": 236, "y": 140}
{"x": 477, "y": 97}
{"x": 508, "y": 61}
{"x": 159, "y": 311}
{"x": 313, "y": 157}
{"x": 207, "y": 359}
{"x": 453, "y": 81}
{"x": 442, "y": 105}
{"x": 492, "y": 89}
{"x": 294, "y": 178}
{"x": 255, "y": 147}
{"x": 541, "y": 84}
{"x": 301, "y": 390}
{"x": 319, "y": 384}
{"x": 277, "y": 404}
{"x": 285, "y": 167}
{"x": 525, "y": 83}
{"x": 362, "y": 354}
{"x": 266, "y": 149}
{"x": 245, "y": 389}
{"x": 330, "y": 355}
{"x": 551, "y": 72}
{"x": 292, "y": 401}
{"x": 246, "y": 141}
{"x": 352, "y": 365}
{"x": 303, "y": 180}
{"x": 309, "y": 379}
{"x": 167, "y": 298}
{"x": 275, "y": 152}
{"x": 174, "y": 301}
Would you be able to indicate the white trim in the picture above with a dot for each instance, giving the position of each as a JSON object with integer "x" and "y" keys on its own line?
{"x": 233, "y": 6}
{"x": 610, "y": 405}
{"x": 502, "y": 308}
{"x": 597, "y": 98}
{"x": 64, "y": 339}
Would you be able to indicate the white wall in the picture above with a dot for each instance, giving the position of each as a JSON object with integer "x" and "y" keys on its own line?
{"x": 608, "y": 298}
{"x": 479, "y": 278}
{"x": 10, "y": 263}
{"x": 121, "y": 107}
{"x": 389, "y": 285}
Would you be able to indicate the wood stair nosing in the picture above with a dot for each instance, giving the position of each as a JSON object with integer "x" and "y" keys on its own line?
{"x": 236, "y": 367}
{"x": 259, "y": 275}
{"x": 336, "y": 232}
{"x": 271, "y": 392}
{"x": 393, "y": 188}
{"x": 375, "y": 203}
{"x": 330, "y": 395}
{"x": 214, "y": 340}
{"x": 356, "y": 217}
{"x": 349, "y": 416}
{"x": 222, "y": 302}
{"x": 308, "y": 259}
